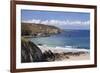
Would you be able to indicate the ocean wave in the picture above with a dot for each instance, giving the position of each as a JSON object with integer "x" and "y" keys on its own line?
{"x": 59, "y": 49}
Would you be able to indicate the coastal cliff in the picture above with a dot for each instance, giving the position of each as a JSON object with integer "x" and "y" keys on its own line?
{"x": 38, "y": 30}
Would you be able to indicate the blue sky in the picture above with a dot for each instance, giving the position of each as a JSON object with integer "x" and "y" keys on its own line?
{"x": 64, "y": 20}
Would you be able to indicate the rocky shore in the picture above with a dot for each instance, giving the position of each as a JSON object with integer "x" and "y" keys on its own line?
{"x": 33, "y": 53}
{"x": 66, "y": 54}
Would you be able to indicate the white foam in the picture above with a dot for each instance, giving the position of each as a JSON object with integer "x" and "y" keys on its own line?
{"x": 59, "y": 49}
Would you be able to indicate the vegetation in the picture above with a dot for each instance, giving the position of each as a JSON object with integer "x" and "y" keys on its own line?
{"x": 38, "y": 30}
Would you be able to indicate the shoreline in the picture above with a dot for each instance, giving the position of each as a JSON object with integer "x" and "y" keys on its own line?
{"x": 67, "y": 54}
{"x": 31, "y": 52}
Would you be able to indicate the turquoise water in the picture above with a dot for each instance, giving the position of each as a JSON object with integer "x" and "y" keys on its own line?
{"x": 73, "y": 38}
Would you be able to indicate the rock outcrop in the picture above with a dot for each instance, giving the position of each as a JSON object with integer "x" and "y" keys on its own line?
{"x": 31, "y": 53}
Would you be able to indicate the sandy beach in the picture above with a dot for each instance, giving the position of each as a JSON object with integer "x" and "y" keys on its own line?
{"x": 73, "y": 57}
{"x": 68, "y": 53}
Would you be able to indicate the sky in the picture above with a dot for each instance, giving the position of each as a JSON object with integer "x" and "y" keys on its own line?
{"x": 63, "y": 20}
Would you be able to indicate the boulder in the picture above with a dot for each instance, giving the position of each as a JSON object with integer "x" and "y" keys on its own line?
{"x": 30, "y": 52}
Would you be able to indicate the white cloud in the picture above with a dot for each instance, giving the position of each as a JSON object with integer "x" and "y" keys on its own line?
{"x": 58, "y": 22}
{"x": 32, "y": 21}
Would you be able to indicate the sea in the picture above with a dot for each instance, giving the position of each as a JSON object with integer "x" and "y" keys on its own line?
{"x": 68, "y": 38}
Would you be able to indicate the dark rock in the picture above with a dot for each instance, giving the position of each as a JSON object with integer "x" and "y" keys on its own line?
{"x": 48, "y": 56}
{"x": 30, "y": 52}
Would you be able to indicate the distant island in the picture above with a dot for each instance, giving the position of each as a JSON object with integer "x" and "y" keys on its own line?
{"x": 38, "y": 30}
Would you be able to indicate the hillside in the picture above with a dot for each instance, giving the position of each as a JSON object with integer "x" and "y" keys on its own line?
{"x": 38, "y": 30}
